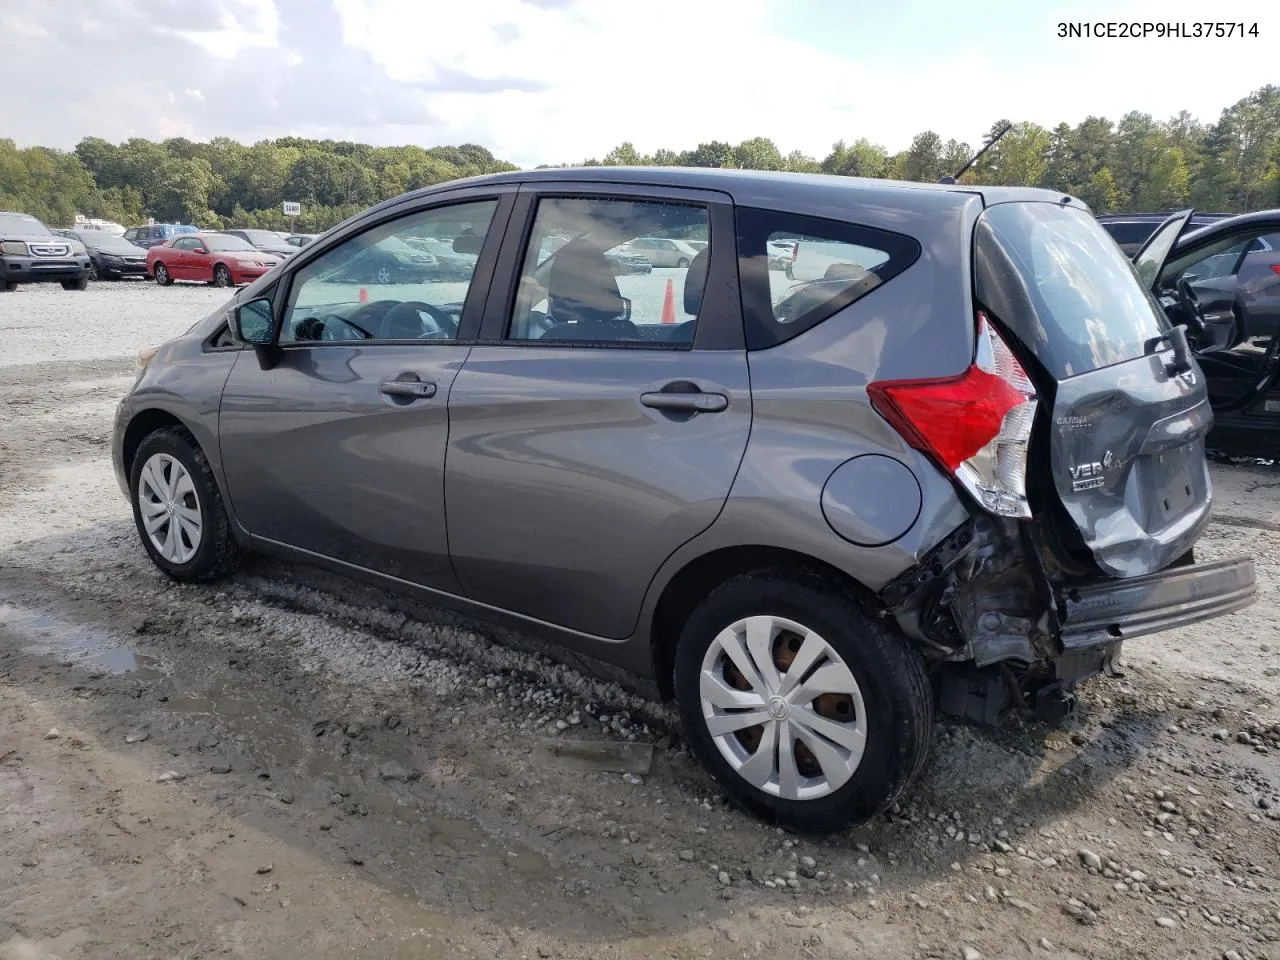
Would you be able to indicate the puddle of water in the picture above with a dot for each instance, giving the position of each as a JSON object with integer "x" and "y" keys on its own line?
{"x": 50, "y": 635}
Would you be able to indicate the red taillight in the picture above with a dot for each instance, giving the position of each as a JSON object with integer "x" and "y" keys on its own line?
{"x": 1276, "y": 267}
{"x": 975, "y": 426}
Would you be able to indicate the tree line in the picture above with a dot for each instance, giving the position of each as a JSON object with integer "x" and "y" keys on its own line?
{"x": 1135, "y": 164}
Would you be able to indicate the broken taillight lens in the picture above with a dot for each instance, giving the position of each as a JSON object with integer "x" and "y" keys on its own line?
{"x": 975, "y": 426}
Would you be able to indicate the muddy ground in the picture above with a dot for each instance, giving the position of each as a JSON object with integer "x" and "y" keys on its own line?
{"x": 286, "y": 765}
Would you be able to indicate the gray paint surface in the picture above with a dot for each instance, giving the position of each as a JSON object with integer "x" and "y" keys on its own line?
{"x": 318, "y": 458}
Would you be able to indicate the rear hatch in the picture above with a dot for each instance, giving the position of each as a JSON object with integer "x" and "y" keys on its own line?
{"x": 1123, "y": 431}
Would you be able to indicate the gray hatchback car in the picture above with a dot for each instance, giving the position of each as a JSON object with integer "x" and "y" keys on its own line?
{"x": 954, "y": 462}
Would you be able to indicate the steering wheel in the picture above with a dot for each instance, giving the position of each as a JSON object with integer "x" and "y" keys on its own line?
{"x": 447, "y": 323}
{"x": 1191, "y": 307}
{"x": 329, "y": 323}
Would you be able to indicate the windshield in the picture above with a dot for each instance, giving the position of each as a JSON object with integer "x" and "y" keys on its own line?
{"x": 22, "y": 223}
{"x": 228, "y": 244}
{"x": 107, "y": 241}
{"x": 266, "y": 237}
{"x": 1058, "y": 282}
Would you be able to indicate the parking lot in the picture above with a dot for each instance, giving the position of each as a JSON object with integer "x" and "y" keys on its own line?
{"x": 291, "y": 765}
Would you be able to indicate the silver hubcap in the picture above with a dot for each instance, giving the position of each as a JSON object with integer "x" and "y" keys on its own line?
{"x": 384, "y": 275}
{"x": 170, "y": 508}
{"x": 783, "y": 708}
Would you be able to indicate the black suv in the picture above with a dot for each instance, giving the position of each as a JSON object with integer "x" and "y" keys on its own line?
{"x": 31, "y": 253}
{"x": 1131, "y": 230}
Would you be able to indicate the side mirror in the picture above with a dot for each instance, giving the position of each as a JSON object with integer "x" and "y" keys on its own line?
{"x": 468, "y": 244}
{"x": 254, "y": 322}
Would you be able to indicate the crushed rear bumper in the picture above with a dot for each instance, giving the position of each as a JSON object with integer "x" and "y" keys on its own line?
{"x": 1102, "y": 613}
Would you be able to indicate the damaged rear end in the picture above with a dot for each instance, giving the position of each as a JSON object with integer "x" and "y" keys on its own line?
{"x": 1077, "y": 435}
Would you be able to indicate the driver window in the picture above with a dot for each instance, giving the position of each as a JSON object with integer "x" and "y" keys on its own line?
{"x": 406, "y": 279}
{"x": 585, "y": 281}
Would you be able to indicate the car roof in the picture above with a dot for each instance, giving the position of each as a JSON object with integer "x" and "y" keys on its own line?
{"x": 749, "y": 187}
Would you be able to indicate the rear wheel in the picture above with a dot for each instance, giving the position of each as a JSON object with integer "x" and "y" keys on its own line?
{"x": 807, "y": 710}
{"x": 81, "y": 284}
{"x": 178, "y": 509}
{"x": 221, "y": 276}
{"x": 162, "y": 275}
{"x": 682, "y": 263}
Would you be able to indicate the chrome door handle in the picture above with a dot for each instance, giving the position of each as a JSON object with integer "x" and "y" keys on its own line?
{"x": 685, "y": 402}
{"x": 408, "y": 389}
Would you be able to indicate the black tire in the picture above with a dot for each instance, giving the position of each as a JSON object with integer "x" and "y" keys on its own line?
{"x": 8, "y": 286}
{"x": 161, "y": 273}
{"x": 222, "y": 276}
{"x": 81, "y": 284}
{"x": 218, "y": 553}
{"x": 889, "y": 672}
{"x": 682, "y": 263}
{"x": 94, "y": 272}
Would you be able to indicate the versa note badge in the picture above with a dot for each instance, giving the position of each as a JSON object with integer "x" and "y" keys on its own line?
{"x": 1090, "y": 476}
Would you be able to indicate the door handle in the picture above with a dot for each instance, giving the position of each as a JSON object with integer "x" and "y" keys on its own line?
{"x": 408, "y": 389}
{"x": 685, "y": 402}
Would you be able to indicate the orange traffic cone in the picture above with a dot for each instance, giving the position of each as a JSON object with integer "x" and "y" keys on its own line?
{"x": 669, "y": 304}
{"x": 364, "y": 295}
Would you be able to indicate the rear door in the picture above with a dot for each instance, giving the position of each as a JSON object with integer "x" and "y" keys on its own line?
{"x": 588, "y": 440}
{"x": 1125, "y": 433}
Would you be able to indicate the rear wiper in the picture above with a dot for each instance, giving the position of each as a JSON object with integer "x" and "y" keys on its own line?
{"x": 1177, "y": 339}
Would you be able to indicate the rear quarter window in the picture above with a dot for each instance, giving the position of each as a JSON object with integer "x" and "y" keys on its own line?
{"x": 797, "y": 271}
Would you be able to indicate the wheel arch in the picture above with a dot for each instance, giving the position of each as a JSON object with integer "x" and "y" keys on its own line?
{"x": 143, "y": 424}
{"x": 699, "y": 576}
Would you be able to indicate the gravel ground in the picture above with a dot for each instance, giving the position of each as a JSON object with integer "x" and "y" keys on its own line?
{"x": 289, "y": 764}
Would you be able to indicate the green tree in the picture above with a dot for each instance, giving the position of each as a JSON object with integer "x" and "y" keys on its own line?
{"x": 1101, "y": 193}
{"x": 758, "y": 153}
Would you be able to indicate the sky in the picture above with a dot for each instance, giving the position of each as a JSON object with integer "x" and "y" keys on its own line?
{"x": 559, "y": 81}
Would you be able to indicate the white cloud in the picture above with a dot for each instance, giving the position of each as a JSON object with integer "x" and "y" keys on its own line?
{"x": 244, "y": 24}
{"x": 676, "y": 72}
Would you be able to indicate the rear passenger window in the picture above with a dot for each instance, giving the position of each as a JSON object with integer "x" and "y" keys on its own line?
{"x": 797, "y": 271}
{"x": 602, "y": 271}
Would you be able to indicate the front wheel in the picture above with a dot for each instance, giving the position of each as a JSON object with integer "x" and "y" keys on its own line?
{"x": 178, "y": 509}
{"x": 221, "y": 276}
{"x": 682, "y": 263}
{"x": 161, "y": 273}
{"x": 806, "y": 709}
{"x": 81, "y": 284}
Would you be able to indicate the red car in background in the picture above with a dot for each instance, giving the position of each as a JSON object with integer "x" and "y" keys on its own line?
{"x": 215, "y": 258}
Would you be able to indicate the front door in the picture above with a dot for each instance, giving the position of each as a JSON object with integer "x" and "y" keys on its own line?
{"x": 339, "y": 448}
{"x": 588, "y": 439}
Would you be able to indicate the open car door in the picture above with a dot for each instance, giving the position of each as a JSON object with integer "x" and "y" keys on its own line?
{"x": 1208, "y": 281}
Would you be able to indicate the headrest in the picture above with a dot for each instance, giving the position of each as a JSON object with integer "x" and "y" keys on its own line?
{"x": 695, "y": 282}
